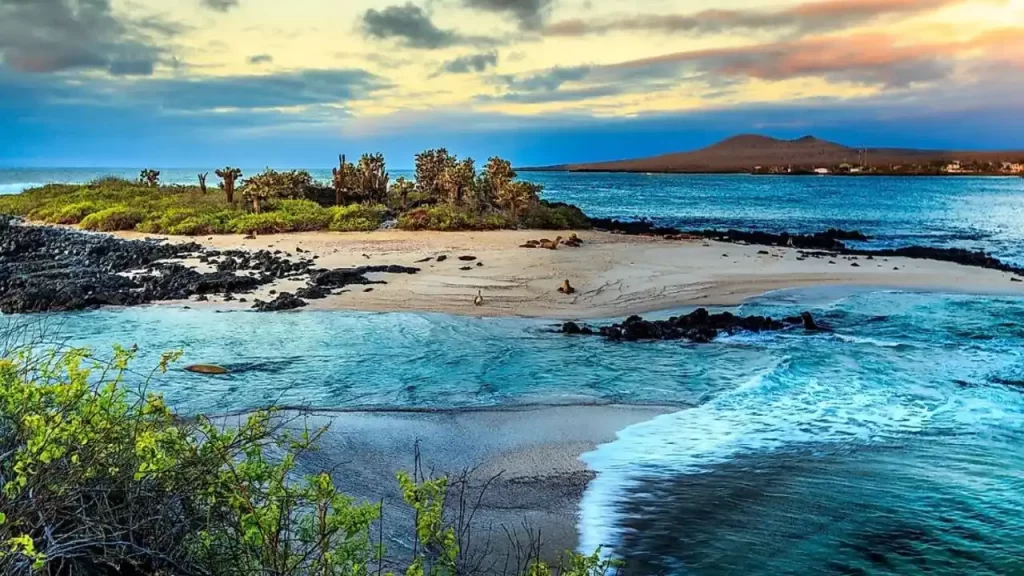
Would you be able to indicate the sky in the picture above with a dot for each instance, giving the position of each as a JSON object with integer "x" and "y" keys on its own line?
{"x": 294, "y": 83}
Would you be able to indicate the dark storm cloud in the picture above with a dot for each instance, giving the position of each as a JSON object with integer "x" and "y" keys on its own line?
{"x": 469, "y": 63}
{"x": 546, "y": 80}
{"x": 410, "y": 25}
{"x": 300, "y": 88}
{"x": 198, "y": 95}
{"x": 220, "y": 5}
{"x": 529, "y": 13}
{"x": 41, "y": 36}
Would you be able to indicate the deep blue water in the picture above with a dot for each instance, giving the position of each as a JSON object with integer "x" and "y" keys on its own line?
{"x": 889, "y": 446}
{"x": 985, "y": 213}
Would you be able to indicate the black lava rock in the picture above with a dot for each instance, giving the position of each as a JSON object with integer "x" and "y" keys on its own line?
{"x": 698, "y": 326}
{"x": 284, "y": 301}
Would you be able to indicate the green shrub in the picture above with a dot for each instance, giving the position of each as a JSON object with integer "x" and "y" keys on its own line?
{"x": 74, "y": 213}
{"x": 100, "y": 477}
{"x": 304, "y": 215}
{"x": 112, "y": 182}
{"x": 448, "y": 218}
{"x": 162, "y": 222}
{"x": 554, "y": 216}
{"x": 64, "y": 214}
{"x": 114, "y": 219}
{"x": 415, "y": 219}
{"x": 197, "y": 226}
{"x": 357, "y": 217}
{"x": 265, "y": 223}
{"x": 496, "y": 221}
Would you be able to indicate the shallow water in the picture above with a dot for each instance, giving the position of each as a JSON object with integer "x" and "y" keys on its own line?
{"x": 985, "y": 213}
{"x": 889, "y": 446}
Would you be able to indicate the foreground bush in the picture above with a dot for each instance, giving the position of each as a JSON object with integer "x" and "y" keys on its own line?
{"x": 304, "y": 215}
{"x": 114, "y": 219}
{"x": 358, "y": 217}
{"x": 554, "y": 216}
{"x": 265, "y": 223}
{"x": 449, "y": 218}
{"x": 100, "y": 478}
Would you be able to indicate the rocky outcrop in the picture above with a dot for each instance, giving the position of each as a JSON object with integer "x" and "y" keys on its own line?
{"x": 832, "y": 240}
{"x": 698, "y": 326}
{"x": 44, "y": 269}
{"x": 284, "y": 301}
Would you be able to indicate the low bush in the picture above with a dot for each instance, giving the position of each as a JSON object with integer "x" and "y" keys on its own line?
{"x": 70, "y": 214}
{"x": 198, "y": 226}
{"x": 448, "y": 218}
{"x": 554, "y": 216}
{"x": 357, "y": 217}
{"x": 265, "y": 223}
{"x": 114, "y": 219}
{"x": 303, "y": 215}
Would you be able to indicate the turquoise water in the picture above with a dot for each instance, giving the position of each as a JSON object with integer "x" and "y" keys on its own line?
{"x": 976, "y": 213}
{"x": 889, "y": 446}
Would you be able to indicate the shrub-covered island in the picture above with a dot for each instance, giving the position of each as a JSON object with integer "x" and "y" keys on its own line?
{"x": 447, "y": 194}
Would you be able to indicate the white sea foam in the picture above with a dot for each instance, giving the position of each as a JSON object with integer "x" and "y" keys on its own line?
{"x": 772, "y": 410}
{"x": 17, "y": 187}
{"x": 870, "y": 341}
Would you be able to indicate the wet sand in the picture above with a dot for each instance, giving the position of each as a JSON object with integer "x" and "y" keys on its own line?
{"x": 528, "y": 458}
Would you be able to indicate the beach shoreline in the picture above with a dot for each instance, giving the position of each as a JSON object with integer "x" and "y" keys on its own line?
{"x": 523, "y": 467}
{"x": 614, "y": 275}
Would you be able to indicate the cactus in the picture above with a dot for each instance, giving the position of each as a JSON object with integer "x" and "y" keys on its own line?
{"x": 373, "y": 177}
{"x": 202, "y": 182}
{"x": 273, "y": 184}
{"x": 149, "y": 177}
{"x": 344, "y": 175}
{"x": 457, "y": 181}
{"x": 228, "y": 177}
{"x": 430, "y": 165}
{"x": 401, "y": 188}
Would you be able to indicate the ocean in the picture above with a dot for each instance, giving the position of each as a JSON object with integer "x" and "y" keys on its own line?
{"x": 891, "y": 445}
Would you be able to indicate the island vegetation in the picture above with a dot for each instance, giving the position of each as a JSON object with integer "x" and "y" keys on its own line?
{"x": 447, "y": 194}
{"x": 100, "y": 477}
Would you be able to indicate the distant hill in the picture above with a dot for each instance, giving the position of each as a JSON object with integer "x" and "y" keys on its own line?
{"x": 745, "y": 152}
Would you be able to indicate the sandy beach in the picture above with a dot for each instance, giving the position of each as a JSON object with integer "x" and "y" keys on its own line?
{"x": 614, "y": 275}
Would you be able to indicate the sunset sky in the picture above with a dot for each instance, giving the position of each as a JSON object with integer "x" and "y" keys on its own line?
{"x": 295, "y": 82}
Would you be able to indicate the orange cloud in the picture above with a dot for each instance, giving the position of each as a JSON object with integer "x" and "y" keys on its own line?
{"x": 811, "y": 16}
{"x": 863, "y": 58}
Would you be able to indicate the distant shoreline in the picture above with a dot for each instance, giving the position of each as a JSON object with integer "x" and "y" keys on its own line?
{"x": 748, "y": 173}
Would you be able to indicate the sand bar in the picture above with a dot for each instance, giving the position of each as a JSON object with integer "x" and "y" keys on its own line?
{"x": 614, "y": 275}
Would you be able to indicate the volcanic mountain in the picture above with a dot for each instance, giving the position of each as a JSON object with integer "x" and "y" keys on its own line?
{"x": 745, "y": 152}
